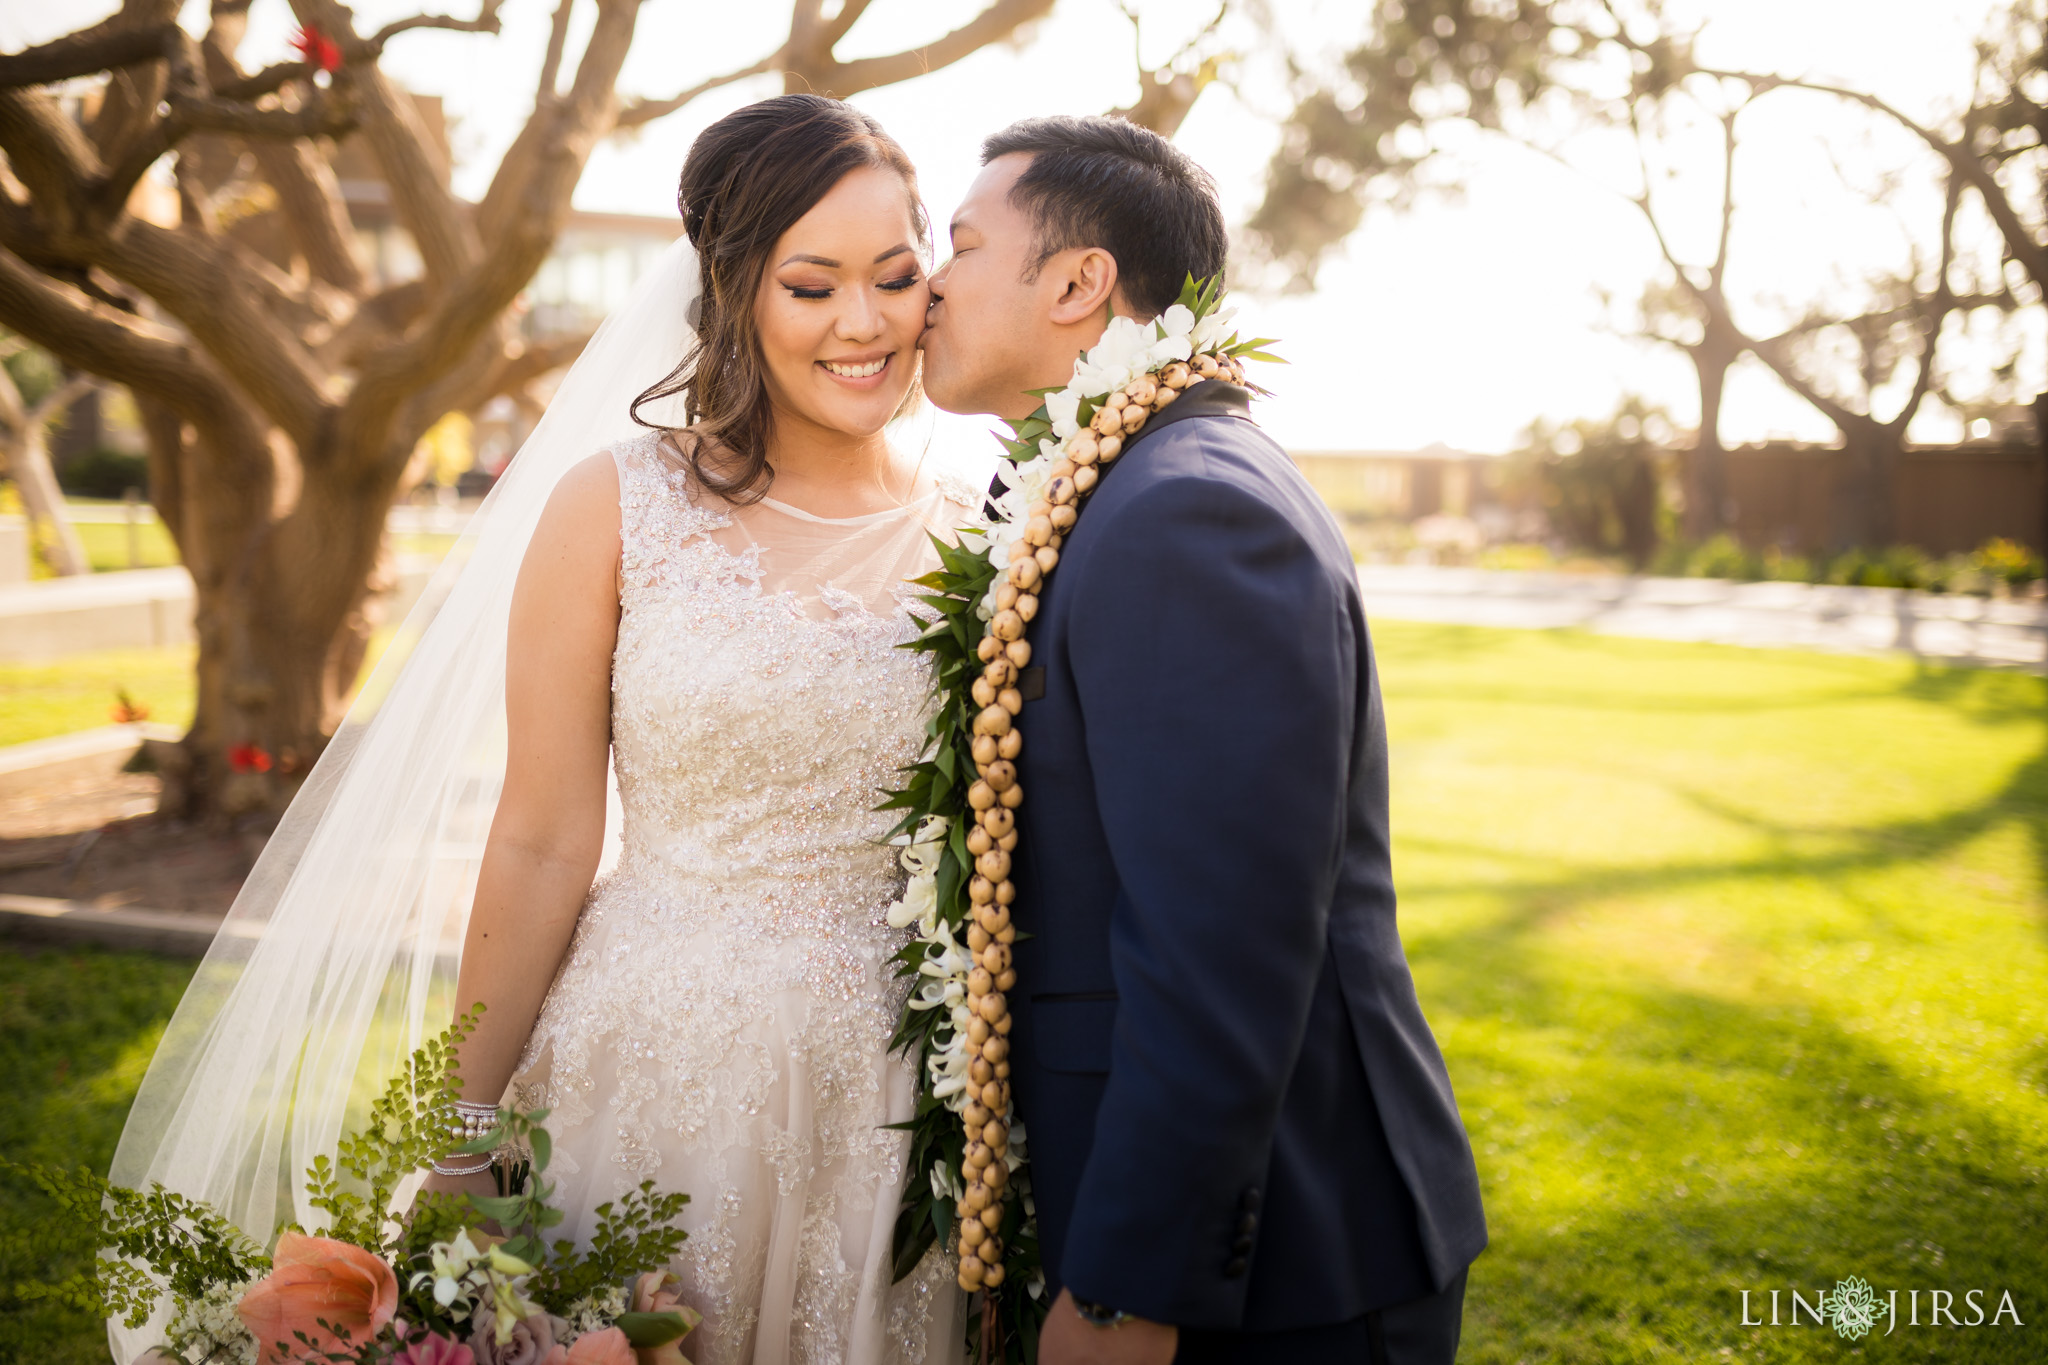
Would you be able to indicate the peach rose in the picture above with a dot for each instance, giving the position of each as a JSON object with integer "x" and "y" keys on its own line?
{"x": 316, "y": 1279}
{"x": 659, "y": 1291}
{"x": 607, "y": 1347}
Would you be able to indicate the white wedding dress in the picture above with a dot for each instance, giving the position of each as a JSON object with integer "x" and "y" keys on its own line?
{"x": 721, "y": 1021}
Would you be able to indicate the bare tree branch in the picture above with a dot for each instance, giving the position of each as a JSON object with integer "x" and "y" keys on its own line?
{"x": 439, "y": 223}
{"x": 558, "y": 40}
{"x": 486, "y": 21}
{"x": 1962, "y": 159}
{"x": 106, "y": 46}
{"x": 88, "y": 334}
{"x": 842, "y": 79}
{"x": 48, "y": 153}
{"x": 646, "y": 111}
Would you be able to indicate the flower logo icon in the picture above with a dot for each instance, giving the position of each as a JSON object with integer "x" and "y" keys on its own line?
{"x": 1852, "y": 1309}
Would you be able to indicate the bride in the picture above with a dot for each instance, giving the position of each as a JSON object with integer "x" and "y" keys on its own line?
{"x": 709, "y": 607}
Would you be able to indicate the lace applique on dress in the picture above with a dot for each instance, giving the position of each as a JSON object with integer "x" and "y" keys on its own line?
{"x": 720, "y": 1023}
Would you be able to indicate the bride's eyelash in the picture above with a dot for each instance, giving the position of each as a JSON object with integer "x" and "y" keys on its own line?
{"x": 895, "y": 286}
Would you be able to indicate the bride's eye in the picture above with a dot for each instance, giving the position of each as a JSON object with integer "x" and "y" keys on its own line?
{"x": 805, "y": 292}
{"x": 898, "y": 286}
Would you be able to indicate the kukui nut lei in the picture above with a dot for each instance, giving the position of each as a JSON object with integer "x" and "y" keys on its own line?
{"x": 995, "y": 796}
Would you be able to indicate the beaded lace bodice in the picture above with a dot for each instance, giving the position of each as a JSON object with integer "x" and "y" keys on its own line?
{"x": 721, "y": 1022}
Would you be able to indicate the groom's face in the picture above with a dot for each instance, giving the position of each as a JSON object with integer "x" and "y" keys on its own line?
{"x": 984, "y": 343}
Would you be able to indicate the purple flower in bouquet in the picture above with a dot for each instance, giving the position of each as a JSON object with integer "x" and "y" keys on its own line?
{"x": 528, "y": 1341}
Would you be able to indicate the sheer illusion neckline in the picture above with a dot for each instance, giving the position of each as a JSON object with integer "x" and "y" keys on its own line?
{"x": 671, "y": 454}
{"x": 914, "y": 505}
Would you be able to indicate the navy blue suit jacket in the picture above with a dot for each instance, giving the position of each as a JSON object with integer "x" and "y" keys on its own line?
{"x": 1236, "y": 1114}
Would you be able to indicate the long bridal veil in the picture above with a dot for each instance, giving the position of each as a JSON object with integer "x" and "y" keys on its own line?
{"x": 338, "y": 958}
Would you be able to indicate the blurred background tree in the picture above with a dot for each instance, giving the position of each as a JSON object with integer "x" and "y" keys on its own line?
{"x": 284, "y": 391}
{"x": 1599, "y": 481}
{"x": 1374, "y": 129}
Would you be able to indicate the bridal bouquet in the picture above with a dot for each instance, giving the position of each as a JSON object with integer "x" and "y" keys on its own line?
{"x": 971, "y": 1187}
{"x": 431, "y": 1288}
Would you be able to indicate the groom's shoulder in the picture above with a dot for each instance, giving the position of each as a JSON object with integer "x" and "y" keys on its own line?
{"x": 1219, "y": 460}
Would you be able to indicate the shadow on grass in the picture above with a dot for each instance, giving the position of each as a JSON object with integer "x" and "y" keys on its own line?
{"x": 1652, "y": 1147}
{"x": 1886, "y": 845}
{"x": 1649, "y": 1153}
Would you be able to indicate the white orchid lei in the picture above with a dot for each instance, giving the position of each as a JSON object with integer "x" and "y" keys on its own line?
{"x": 958, "y": 825}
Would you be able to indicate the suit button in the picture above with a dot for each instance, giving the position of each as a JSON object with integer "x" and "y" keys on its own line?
{"x": 1236, "y": 1267}
{"x": 1242, "y": 1246}
{"x": 1249, "y": 1200}
{"x": 1247, "y": 1225}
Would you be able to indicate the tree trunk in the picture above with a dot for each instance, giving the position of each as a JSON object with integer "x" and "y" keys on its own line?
{"x": 1707, "y": 505}
{"x": 28, "y": 464}
{"x": 282, "y": 609}
{"x": 1864, "y": 499}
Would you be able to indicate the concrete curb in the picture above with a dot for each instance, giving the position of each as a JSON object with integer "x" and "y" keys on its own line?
{"x": 38, "y": 919}
{"x": 83, "y": 753}
{"x": 1972, "y": 631}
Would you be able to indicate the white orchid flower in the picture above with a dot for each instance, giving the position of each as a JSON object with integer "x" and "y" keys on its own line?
{"x": 1177, "y": 321}
{"x": 946, "y": 1186}
{"x": 1064, "y": 409}
{"x": 1166, "y": 350}
{"x": 921, "y": 851}
{"x": 1211, "y": 330}
{"x": 920, "y": 899}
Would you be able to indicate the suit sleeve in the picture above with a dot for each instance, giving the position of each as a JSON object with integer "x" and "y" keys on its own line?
{"x": 1214, "y": 661}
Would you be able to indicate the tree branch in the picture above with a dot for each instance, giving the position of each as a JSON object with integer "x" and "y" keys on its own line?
{"x": 1964, "y": 161}
{"x": 49, "y": 155}
{"x": 105, "y": 46}
{"x": 646, "y": 111}
{"x": 89, "y": 335}
{"x": 486, "y": 21}
{"x": 558, "y": 39}
{"x": 842, "y": 79}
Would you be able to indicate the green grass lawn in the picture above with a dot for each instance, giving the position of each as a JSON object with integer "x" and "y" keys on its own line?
{"x": 76, "y": 1031}
{"x": 107, "y": 547}
{"x": 1739, "y": 957}
{"x": 38, "y": 701}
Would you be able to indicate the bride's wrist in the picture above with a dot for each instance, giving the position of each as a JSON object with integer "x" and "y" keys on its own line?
{"x": 472, "y": 1121}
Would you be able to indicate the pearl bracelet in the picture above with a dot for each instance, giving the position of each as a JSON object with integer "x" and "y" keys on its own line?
{"x": 473, "y": 1120}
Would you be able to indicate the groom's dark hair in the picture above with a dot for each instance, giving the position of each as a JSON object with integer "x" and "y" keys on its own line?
{"x": 1105, "y": 182}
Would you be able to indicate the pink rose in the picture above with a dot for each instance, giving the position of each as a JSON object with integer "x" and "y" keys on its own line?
{"x": 608, "y": 1347}
{"x": 435, "y": 1350}
{"x": 314, "y": 1280}
{"x": 658, "y": 1291}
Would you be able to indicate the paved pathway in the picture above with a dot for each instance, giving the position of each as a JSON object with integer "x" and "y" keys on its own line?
{"x": 1967, "y": 630}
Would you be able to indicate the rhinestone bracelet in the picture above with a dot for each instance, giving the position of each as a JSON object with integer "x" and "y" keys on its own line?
{"x": 483, "y": 1163}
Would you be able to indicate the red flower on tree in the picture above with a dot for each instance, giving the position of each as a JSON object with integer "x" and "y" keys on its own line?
{"x": 248, "y": 758}
{"x": 317, "y": 49}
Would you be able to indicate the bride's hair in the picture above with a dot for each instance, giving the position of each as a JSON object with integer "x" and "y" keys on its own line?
{"x": 748, "y": 179}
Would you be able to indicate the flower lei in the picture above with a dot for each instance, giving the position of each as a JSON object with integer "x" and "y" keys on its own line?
{"x": 958, "y": 830}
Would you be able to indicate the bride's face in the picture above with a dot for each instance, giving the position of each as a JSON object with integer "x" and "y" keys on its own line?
{"x": 842, "y": 305}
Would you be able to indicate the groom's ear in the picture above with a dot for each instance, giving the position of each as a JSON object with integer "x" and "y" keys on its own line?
{"x": 1084, "y": 284}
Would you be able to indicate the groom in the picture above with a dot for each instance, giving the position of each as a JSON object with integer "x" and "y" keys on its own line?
{"x": 1243, "y": 1142}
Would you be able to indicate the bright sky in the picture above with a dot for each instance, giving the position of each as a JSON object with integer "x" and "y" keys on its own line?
{"x": 1456, "y": 323}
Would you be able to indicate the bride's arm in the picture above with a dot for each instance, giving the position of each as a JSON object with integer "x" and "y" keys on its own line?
{"x": 548, "y": 833}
